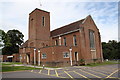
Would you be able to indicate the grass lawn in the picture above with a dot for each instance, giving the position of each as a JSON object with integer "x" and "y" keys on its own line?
{"x": 10, "y": 63}
{"x": 16, "y": 68}
{"x": 9, "y": 67}
{"x": 103, "y": 63}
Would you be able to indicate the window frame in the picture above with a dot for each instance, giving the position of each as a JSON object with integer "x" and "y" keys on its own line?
{"x": 56, "y": 42}
{"x": 64, "y": 41}
{"x": 44, "y": 57}
{"x": 64, "y": 55}
{"x": 43, "y": 20}
{"x": 74, "y": 40}
{"x": 92, "y": 39}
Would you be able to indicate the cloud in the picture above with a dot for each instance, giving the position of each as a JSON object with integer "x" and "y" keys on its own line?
{"x": 106, "y": 18}
{"x": 60, "y": 0}
{"x": 16, "y": 14}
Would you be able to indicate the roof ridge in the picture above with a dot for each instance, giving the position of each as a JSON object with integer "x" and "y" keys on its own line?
{"x": 69, "y": 27}
{"x": 39, "y": 10}
{"x": 67, "y": 24}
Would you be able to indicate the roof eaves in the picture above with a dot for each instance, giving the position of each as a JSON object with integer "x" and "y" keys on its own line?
{"x": 66, "y": 33}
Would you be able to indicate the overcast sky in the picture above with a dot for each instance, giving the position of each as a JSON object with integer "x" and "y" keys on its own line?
{"x": 14, "y": 14}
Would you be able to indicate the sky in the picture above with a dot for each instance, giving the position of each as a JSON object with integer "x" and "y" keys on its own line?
{"x": 14, "y": 14}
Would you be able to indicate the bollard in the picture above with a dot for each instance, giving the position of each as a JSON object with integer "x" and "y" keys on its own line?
{"x": 106, "y": 59}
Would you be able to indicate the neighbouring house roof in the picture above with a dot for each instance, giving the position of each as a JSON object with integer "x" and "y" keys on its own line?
{"x": 66, "y": 28}
{"x": 24, "y": 44}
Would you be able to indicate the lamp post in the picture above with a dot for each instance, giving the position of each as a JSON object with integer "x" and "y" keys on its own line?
{"x": 38, "y": 57}
{"x": 70, "y": 55}
{"x": 34, "y": 57}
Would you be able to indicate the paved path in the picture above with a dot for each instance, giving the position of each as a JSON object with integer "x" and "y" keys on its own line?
{"x": 36, "y": 66}
{"x": 76, "y": 72}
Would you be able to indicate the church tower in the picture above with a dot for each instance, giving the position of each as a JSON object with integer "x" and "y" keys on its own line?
{"x": 39, "y": 28}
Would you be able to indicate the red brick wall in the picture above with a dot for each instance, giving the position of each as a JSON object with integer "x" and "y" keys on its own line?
{"x": 39, "y": 34}
{"x": 16, "y": 58}
{"x": 89, "y": 24}
{"x": 39, "y": 38}
{"x": 5, "y": 58}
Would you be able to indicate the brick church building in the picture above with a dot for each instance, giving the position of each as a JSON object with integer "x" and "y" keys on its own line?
{"x": 65, "y": 46}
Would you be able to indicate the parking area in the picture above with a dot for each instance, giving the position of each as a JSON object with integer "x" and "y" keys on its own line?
{"x": 108, "y": 71}
{"x": 75, "y": 72}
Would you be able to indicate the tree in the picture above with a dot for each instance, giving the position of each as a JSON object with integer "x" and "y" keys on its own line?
{"x": 2, "y": 37}
{"x": 111, "y": 50}
{"x": 118, "y": 50}
{"x": 13, "y": 40}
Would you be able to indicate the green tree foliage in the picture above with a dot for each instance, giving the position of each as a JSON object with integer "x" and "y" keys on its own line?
{"x": 12, "y": 41}
{"x": 111, "y": 50}
{"x": 118, "y": 50}
{"x": 2, "y": 34}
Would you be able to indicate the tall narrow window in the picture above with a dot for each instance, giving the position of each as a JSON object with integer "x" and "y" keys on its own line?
{"x": 31, "y": 23}
{"x": 59, "y": 40}
{"x": 64, "y": 41}
{"x": 56, "y": 42}
{"x": 92, "y": 40}
{"x": 43, "y": 21}
{"x": 74, "y": 40}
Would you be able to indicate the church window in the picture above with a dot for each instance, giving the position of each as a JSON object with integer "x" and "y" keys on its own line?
{"x": 74, "y": 40}
{"x": 64, "y": 40}
{"x": 92, "y": 39}
{"x": 43, "y": 21}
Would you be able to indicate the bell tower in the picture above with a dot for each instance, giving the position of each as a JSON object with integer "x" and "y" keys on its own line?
{"x": 39, "y": 26}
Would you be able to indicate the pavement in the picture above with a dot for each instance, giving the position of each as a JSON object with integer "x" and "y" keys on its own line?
{"x": 75, "y": 72}
{"x": 36, "y": 66}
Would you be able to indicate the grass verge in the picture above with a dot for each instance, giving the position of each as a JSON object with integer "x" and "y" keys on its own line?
{"x": 10, "y": 63}
{"x": 16, "y": 68}
{"x": 103, "y": 63}
{"x": 6, "y": 67}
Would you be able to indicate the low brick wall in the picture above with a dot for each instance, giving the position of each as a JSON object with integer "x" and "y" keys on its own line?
{"x": 55, "y": 64}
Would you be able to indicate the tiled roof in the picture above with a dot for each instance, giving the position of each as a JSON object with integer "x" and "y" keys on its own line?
{"x": 66, "y": 28}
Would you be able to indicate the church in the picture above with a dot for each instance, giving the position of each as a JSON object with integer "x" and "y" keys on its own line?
{"x": 76, "y": 43}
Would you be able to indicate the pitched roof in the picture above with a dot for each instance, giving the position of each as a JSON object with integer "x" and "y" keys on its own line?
{"x": 24, "y": 44}
{"x": 66, "y": 28}
{"x": 39, "y": 10}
